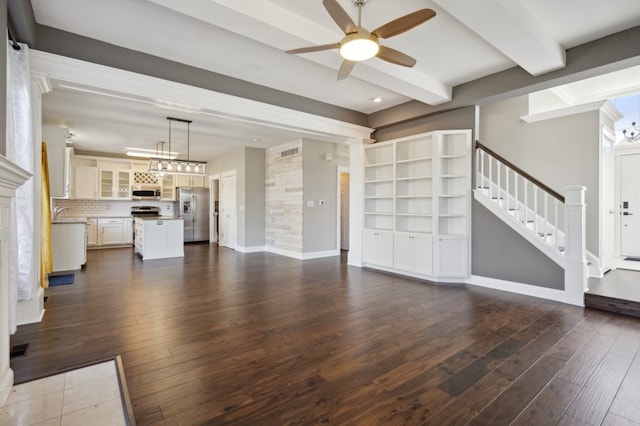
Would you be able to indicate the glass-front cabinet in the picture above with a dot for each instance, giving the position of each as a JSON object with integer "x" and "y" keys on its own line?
{"x": 115, "y": 184}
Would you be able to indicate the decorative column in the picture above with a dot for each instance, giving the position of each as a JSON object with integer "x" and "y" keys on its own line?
{"x": 575, "y": 271}
{"x": 11, "y": 177}
{"x": 356, "y": 200}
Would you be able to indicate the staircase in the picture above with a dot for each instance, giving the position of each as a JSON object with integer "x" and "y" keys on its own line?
{"x": 553, "y": 222}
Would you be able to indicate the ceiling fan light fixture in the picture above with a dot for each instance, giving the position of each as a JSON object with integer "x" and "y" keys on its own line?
{"x": 359, "y": 46}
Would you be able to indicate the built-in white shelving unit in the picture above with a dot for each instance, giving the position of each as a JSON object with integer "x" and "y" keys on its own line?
{"x": 417, "y": 204}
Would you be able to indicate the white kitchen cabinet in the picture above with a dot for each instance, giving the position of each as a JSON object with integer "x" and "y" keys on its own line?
{"x": 168, "y": 188}
{"x": 92, "y": 232}
{"x": 159, "y": 238}
{"x": 190, "y": 180}
{"x": 68, "y": 246}
{"x": 377, "y": 247}
{"x": 413, "y": 252}
{"x": 59, "y": 160}
{"x": 128, "y": 230}
{"x": 417, "y": 204}
{"x": 115, "y": 184}
{"x": 110, "y": 231}
{"x": 86, "y": 183}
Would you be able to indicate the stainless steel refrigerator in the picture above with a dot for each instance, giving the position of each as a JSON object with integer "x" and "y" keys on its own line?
{"x": 193, "y": 207}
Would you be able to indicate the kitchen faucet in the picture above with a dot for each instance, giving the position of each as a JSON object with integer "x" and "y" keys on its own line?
{"x": 57, "y": 210}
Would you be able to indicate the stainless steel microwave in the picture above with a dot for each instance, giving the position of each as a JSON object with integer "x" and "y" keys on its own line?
{"x": 145, "y": 192}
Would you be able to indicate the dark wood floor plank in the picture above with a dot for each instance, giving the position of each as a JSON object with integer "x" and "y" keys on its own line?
{"x": 549, "y": 406}
{"x": 505, "y": 408}
{"x": 626, "y": 403}
{"x": 594, "y": 399}
{"x": 220, "y": 337}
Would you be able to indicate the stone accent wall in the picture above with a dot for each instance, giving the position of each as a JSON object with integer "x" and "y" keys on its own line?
{"x": 284, "y": 204}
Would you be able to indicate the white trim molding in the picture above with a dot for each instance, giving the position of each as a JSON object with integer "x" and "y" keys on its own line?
{"x": 519, "y": 288}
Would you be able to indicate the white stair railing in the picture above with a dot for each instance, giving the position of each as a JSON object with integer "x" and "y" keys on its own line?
{"x": 538, "y": 213}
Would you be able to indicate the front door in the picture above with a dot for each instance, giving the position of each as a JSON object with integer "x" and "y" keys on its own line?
{"x": 630, "y": 205}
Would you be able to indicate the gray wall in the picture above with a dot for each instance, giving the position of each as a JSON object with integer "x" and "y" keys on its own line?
{"x": 320, "y": 182}
{"x": 500, "y": 252}
{"x": 559, "y": 152}
{"x": 254, "y": 195}
{"x": 249, "y": 165}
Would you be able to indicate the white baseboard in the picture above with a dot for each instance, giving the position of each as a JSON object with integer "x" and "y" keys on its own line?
{"x": 6, "y": 384}
{"x": 520, "y": 288}
{"x": 31, "y": 311}
{"x": 303, "y": 256}
{"x": 252, "y": 249}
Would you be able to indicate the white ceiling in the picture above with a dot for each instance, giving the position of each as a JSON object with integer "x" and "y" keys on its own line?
{"x": 246, "y": 40}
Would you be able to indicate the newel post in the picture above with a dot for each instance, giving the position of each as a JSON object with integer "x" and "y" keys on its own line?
{"x": 575, "y": 271}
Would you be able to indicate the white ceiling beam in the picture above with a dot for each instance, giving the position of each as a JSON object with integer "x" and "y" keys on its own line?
{"x": 280, "y": 28}
{"x": 511, "y": 28}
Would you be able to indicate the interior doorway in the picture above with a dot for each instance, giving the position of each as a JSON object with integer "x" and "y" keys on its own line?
{"x": 214, "y": 197}
{"x": 343, "y": 208}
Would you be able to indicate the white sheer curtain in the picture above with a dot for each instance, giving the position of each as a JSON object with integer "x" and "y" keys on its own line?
{"x": 24, "y": 275}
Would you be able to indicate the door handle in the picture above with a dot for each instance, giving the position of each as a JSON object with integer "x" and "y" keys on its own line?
{"x": 627, "y": 214}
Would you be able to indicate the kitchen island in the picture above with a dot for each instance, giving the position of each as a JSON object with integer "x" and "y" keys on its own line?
{"x": 159, "y": 237}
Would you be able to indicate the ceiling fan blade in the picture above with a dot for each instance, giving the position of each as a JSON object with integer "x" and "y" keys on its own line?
{"x": 314, "y": 48}
{"x": 395, "y": 57}
{"x": 340, "y": 17}
{"x": 345, "y": 69}
{"x": 405, "y": 23}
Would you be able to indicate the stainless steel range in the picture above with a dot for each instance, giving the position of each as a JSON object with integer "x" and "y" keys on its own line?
{"x": 146, "y": 211}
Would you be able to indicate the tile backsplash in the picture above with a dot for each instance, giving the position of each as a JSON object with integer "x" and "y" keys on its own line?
{"x": 106, "y": 208}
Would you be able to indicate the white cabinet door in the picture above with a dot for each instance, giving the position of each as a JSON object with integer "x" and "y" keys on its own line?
{"x": 128, "y": 230}
{"x": 86, "y": 183}
{"x": 182, "y": 180}
{"x": 377, "y": 248}
{"x": 115, "y": 184}
{"x": 452, "y": 256}
{"x": 123, "y": 184}
{"x": 413, "y": 253}
{"x": 68, "y": 246}
{"x": 190, "y": 180}
{"x": 110, "y": 231}
{"x": 92, "y": 232}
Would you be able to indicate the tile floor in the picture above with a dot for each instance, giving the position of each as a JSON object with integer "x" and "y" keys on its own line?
{"x": 86, "y": 396}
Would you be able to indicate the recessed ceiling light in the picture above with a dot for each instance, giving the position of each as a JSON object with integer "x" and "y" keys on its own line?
{"x": 255, "y": 140}
{"x": 377, "y": 99}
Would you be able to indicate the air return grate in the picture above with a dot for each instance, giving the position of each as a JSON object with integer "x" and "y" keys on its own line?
{"x": 19, "y": 350}
{"x": 289, "y": 152}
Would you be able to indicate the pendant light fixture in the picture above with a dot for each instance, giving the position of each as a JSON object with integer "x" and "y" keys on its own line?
{"x": 175, "y": 166}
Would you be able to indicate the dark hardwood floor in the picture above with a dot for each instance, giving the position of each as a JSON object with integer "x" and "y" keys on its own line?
{"x": 221, "y": 337}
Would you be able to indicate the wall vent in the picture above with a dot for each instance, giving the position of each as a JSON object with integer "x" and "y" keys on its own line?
{"x": 289, "y": 152}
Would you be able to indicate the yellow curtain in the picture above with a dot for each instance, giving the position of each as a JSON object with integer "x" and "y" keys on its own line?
{"x": 46, "y": 262}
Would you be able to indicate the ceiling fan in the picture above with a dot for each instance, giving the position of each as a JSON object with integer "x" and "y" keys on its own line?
{"x": 360, "y": 44}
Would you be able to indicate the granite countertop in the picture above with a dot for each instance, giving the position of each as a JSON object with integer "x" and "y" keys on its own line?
{"x": 109, "y": 217}
{"x": 67, "y": 220}
{"x": 158, "y": 218}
